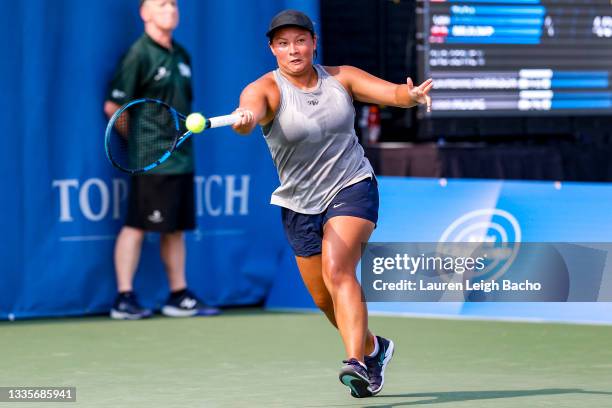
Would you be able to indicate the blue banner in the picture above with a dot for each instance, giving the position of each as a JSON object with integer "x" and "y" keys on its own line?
{"x": 64, "y": 203}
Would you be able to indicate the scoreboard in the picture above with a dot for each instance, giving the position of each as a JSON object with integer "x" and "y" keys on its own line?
{"x": 517, "y": 57}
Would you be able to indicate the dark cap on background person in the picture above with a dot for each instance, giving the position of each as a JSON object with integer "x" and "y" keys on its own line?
{"x": 292, "y": 18}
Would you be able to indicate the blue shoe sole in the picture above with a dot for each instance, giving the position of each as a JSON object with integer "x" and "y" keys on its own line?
{"x": 358, "y": 385}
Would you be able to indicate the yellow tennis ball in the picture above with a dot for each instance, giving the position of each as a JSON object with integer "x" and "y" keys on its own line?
{"x": 195, "y": 122}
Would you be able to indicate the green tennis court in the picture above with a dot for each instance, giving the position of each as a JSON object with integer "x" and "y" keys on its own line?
{"x": 249, "y": 358}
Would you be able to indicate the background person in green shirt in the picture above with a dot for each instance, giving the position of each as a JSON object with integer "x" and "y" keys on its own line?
{"x": 157, "y": 67}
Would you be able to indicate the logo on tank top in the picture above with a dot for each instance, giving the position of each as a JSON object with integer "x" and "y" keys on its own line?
{"x": 313, "y": 102}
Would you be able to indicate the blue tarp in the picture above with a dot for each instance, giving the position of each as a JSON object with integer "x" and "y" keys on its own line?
{"x": 63, "y": 203}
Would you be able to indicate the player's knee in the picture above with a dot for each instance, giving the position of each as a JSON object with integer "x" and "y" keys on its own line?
{"x": 338, "y": 274}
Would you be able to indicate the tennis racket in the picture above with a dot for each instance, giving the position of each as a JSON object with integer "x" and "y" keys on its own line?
{"x": 143, "y": 133}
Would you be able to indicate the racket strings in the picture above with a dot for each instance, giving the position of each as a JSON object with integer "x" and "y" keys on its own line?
{"x": 141, "y": 135}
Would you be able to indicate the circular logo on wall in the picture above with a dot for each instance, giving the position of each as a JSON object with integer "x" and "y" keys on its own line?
{"x": 490, "y": 233}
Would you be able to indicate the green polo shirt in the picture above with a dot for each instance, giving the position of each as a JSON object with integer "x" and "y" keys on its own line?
{"x": 149, "y": 70}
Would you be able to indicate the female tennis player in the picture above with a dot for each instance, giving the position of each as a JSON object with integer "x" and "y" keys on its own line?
{"x": 328, "y": 191}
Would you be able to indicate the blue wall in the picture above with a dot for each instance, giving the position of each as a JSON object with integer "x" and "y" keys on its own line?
{"x": 63, "y": 203}
{"x": 428, "y": 210}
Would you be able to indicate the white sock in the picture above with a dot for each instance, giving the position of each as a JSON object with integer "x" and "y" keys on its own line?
{"x": 375, "y": 352}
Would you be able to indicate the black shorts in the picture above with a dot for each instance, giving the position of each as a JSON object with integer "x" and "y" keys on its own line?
{"x": 305, "y": 231}
{"x": 161, "y": 203}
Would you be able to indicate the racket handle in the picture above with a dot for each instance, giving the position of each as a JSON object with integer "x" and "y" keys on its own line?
{"x": 219, "y": 121}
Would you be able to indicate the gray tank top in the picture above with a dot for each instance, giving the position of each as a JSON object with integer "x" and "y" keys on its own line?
{"x": 313, "y": 144}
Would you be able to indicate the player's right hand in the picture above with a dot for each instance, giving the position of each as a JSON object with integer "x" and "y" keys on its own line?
{"x": 246, "y": 123}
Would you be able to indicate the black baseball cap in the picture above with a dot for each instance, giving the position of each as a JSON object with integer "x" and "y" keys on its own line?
{"x": 290, "y": 18}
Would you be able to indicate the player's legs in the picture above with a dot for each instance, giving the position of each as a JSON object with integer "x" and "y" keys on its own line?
{"x": 327, "y": 248}
{"x": 310, "y": 269}
{"x": 312, "y": 274}
{"x": 127, "y": 255}
{"x": 172, "y": 251}
{"x": 342, "y": 239}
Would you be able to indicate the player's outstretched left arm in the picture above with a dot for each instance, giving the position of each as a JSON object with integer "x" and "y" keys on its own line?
{"x": 365, "y": 87}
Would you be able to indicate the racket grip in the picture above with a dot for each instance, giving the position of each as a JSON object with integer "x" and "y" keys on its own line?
{"x": 226, "y": 120}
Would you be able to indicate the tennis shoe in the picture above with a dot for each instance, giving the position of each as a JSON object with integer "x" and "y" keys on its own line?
{"x": 186, "y": 305}
{"x": 127, "y": 307}
{"x": 355, "y": 376}
{"x": 377, "y": 364}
